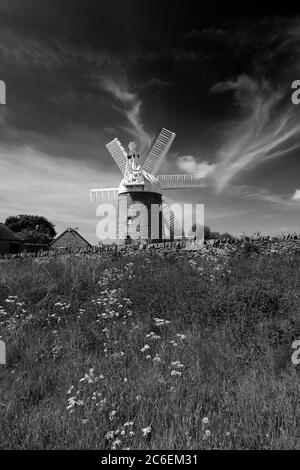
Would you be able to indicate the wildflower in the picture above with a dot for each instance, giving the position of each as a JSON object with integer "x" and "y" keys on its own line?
{"x": 144, "y": 348}
{"x": 161, "y": 322}
{"x": 138, "y": 397}
{"x": 116, "y": 443}
{"x": 72, "y": 402}
{"x": 146, "y": 431}
{"x": 128, "y": 423}
{"x": 152, "y": 335}
{"x": 207, "y": 434}
{"x": 176, "y": 364}
{"x": 176, "y": 372}
{"x": 205, "y": 420}
{"x": 109, "y": 435}
{"x": 180, "y": 336}
{"x": 112, "y": 414}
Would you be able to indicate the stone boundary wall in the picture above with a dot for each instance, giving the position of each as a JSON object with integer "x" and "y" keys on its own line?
{"x": 264, "y": 244}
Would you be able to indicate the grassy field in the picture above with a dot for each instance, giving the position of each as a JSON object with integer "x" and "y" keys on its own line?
{"x": 150, "y": 353}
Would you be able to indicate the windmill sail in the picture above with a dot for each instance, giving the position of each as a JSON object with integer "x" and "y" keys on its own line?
{"x": 118, "y": 153}
{"x": 159, "y": 151}
{"x": 181, "y": 181}
{"x": 170, "y": 221}
{"x": 104, "y": 195}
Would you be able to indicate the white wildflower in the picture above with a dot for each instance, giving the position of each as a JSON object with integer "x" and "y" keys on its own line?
{"x": 146, "y": 431}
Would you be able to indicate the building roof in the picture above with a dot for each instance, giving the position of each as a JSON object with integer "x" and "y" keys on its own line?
{"x": 69, "y": 229}
{"x": 7, "y": 234}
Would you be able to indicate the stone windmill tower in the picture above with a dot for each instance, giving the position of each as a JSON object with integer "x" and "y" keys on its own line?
{"x": 143, "y": 188}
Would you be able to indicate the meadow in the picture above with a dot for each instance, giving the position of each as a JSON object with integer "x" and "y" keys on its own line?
{"x": 150, "y": 352}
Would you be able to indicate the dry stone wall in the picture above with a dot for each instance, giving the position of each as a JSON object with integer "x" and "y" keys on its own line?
{"x": 263, "y": 245}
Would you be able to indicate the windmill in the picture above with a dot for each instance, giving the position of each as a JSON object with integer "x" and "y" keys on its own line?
{"x": 143, "y": 187}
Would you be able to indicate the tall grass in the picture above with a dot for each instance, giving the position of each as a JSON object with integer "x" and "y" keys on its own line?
{"x": 149, "y": 353}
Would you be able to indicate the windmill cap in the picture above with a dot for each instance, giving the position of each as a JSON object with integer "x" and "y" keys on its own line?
{"x": 151, "y": 184}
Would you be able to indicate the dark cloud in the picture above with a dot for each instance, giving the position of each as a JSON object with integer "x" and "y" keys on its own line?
{"x": 80, "y": 72}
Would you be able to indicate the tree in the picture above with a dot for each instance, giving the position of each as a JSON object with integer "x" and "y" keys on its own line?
{"x": 226, "y": 235}
{"x": 208, "y": 234}
{"x": 31, "y": 228}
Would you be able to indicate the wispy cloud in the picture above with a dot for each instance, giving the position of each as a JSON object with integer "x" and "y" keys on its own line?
{"x": 296, "y": 195}
{"x": 34, "y": 51}
{"x": 253, "y": 193}
{"x": 266, "y": 131}
{"x": 57, "y": 188}
{"x": 189, "y": 164}
{"x": 131, "y": 108}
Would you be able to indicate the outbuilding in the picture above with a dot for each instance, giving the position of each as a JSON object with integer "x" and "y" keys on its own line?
{"x": 71, "y": 239}
{"x": 9, "y": 243}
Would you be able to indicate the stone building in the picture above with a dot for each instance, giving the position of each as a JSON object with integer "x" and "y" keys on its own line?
{"x": 9, "y": 243}
{"x": 70, "y": 239}
{"x": 139, "y": 199}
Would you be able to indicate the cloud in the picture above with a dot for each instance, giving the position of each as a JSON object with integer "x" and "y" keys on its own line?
{"x": 267, "y": 130}
{"x": 57, "y": 188}
{"x": 33, "y": 51}
{"x": 131, "y": 108}
{"x": 244, "y": 86}
{"x": 121, "y": 93}
{"x": 252, "y": 193}
{"x": 296, "y": 195}
{"x": 155, "y": 82}
{"x": 189, "y": 164}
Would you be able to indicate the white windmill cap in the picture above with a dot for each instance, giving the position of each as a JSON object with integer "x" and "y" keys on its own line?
{"x": 151, "y": 184}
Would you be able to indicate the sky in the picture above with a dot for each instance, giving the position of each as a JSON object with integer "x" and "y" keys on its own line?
{"x": 80, "y": 73}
